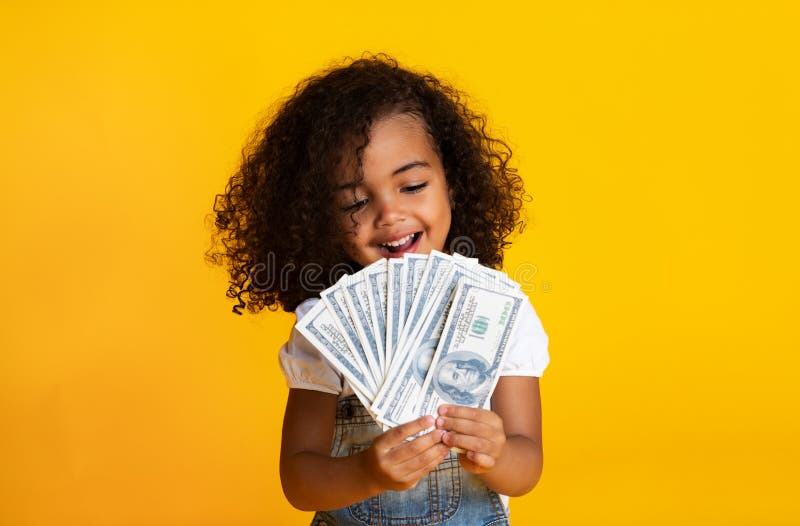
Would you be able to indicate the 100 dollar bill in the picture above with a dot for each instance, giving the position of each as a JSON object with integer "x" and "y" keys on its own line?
{"x": 468, "y": 359}
{"x": 319, "y": 328}
{"x": 396, "y": 401}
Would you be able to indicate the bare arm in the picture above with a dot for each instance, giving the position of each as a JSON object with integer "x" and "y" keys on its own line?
{"x": 504, "y": 446}
{"x": 313, "y": 480}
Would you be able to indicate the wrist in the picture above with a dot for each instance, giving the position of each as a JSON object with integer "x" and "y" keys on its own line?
{"x": 371, "y": 483}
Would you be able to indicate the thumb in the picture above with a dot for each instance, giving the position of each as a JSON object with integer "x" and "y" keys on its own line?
{"x": 397, "y": 435}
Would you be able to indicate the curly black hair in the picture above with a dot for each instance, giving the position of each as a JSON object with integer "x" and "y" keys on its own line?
{"x": 276, "y": 229}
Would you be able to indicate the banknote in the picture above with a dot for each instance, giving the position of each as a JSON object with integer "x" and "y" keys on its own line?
{"x": 414, "y": 266}
{"x": 320, "y": 330}
{"x": 396, "y": 401}
{"x": 460, "y": 257}
{"x": 401, "y": 331}
{"x": 438, "y": 304}
{"x": 354, "y": 291}
{"x": 441, "y": 286}
{"x": 376, "y": 276}
{"x": 395, "y": 274}
{"x": 435, "y": 272}
{"x": 492, "y": 278}
{"x": 495, "y": 279}
{"x": 466, "y": 365}
{"x": 365, "y": 400}
{"x": 333, "y": 298}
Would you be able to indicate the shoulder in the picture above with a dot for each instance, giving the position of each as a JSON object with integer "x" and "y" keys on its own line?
{"x": 305, "y": 306}
{"x": 529, "y": 318}
{"x": 527, "y": 351}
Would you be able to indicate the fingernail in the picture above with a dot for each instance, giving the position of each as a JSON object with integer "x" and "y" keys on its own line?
{"x": 445, "y": 436}
{"x": 440, "y": 422}
{"x": 428, "y": 419}
{"x": 442, "y": 410}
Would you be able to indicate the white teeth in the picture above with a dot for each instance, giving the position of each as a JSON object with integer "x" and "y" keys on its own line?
{"x": 398, "y": 242}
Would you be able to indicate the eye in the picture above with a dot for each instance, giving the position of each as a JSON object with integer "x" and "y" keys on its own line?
{"x": 358, "y": 205}
{"x": 414, "y": 189}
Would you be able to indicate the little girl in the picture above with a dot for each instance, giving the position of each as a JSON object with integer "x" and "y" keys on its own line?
{"x": 366, "y": 161}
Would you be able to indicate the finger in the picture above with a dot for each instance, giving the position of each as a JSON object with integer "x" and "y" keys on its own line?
{"x": 468, "y": 442}
{"x": 423, "y": 464}
{"x": 415, "y": 448}
{"x": 395, "y": 436}
{"x": 470, "y": 413}
{"x": 481, "y": 460}
{"x": 466, "y": 427}
{"x": 469, "y": 465}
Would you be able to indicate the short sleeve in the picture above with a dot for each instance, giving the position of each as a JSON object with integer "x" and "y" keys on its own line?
{"x": 302, "y": 365}
{"x": 527, "y": 353}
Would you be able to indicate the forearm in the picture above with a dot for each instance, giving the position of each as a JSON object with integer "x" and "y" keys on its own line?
{"x": 313, "y": 481}
{"x": 518, "y": 469}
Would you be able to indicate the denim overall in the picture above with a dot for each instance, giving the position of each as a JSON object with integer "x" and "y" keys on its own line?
{"x": 449, "y": 495}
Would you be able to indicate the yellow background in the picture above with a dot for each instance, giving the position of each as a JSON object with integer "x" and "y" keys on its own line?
{"x": 660, "y": 143}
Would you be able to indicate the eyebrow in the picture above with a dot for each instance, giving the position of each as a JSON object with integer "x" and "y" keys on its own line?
{"x": 404, "y": 168}
{"x": 412, "y": 164}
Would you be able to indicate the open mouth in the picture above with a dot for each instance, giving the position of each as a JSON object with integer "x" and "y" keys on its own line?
{"x": 397, "y": 248}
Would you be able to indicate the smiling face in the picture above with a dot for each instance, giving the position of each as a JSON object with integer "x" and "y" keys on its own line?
{"x": 402, "y": 204}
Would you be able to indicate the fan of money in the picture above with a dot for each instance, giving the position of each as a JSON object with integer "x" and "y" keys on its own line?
{"x": 411, "y": 333}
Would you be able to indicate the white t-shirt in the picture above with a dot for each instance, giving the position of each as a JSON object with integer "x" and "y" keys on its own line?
{"x": 305, "y": 368}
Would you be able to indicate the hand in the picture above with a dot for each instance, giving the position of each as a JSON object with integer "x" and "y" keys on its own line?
{"x": 398, "y": 465}
{"x": 478, "y": 431}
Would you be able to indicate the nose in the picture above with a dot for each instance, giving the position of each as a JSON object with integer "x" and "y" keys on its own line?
{"x": 390, "y": 210}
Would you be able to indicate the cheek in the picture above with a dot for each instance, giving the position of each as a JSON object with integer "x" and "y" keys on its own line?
{"x": 353, "y": 240}
{"x": 347, "y": 236}
{"x": 348, "y": 230}
{"x": 443, "y": 219}
{"x": 349, "y": 241}
{"x": 446, "y": 210}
